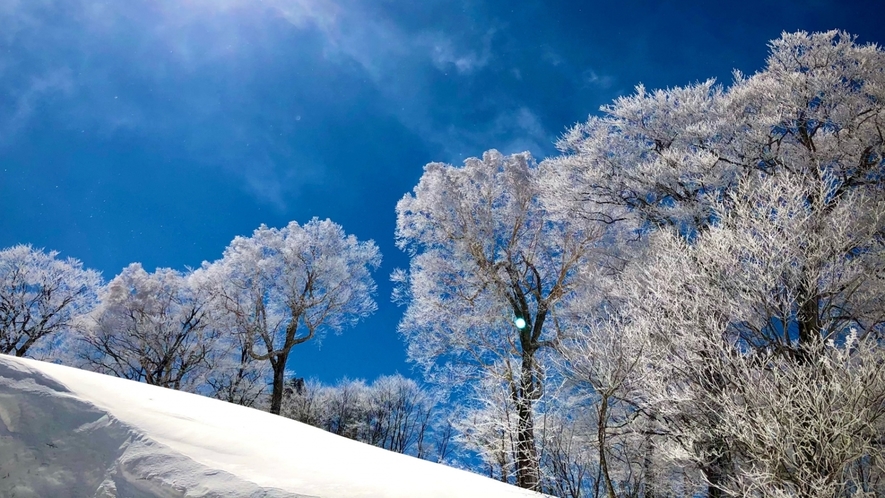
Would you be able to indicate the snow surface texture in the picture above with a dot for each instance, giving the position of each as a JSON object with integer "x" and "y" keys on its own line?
{"x": 70, "y": 433}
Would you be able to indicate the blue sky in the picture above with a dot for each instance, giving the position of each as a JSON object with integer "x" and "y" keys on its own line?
{"x": 156, "y": 131}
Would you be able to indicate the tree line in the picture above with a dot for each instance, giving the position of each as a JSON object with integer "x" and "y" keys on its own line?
{"x": 689, "y": 300}
{"x": 222, "y": 329}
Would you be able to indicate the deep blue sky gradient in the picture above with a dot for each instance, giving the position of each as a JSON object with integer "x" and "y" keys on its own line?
{"x": 156, "y": 131}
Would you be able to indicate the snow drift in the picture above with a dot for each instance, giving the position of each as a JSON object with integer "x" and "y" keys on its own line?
{"x": 70, "y": 433}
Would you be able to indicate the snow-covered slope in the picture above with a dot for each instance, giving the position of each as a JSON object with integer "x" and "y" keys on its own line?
{"x": 69, "y": 433}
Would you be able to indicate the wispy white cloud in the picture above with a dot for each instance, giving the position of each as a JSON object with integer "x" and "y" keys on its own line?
{"x": 551, "y": 57}
{"x": 517, "y": 130}
{"x": 586, "y": 78}
{"x": 178, "y": 39}
{"x": 591, "y": 78}
{"x": 267, "y": 181}
{"x": 27, "y": 98}
{"x": 446, "y": 55}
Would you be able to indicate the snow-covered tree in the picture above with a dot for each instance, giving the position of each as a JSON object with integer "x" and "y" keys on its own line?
{"x": 803, "y": 428}
{"x": 668, "y": 155}
{"x": 307, "y": 402}
{"x": 347, "y": 408}
{"x": 41, "y": 296}
{"x": 233, "y": 374}
{"x": 603, "y": 360}
{"x": 488, "y": 271}
{"x": 488, "y": 425}
{"x": 568, "y": 458}
{"x": 283, "y": 287}
{"x": 736, "y": 372}
{"x": 771, "y": 260}
{"x": 152, "y": 327}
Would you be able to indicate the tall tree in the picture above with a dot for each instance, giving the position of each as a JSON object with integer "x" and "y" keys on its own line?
{"x": 41, "y": 296}
{"x": 283, "y": 287}
{"x": 771, "y": 198}
{"x": 790, "y": 418}
{"x": 670, "y": 155}
{"x": 602, "y": 360}
{"x": 488, "y": 270}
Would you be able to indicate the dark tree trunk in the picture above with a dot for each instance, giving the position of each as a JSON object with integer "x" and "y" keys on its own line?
{"x": 809, "y": 323}
{"x": 713, "y": 490}
{"x": 279, "y": 380}
{"x": 715, "y": 474}
{"x": 650, "y": 482}
{"x": 528, "y": 474}
{"x": 601, "y": 440}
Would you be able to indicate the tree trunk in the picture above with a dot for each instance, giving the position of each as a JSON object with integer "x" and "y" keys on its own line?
{"x": 648, "y": 473}
{"x": 715, "y": 474}
{"x": 601, "y": 433}
{"x": 713, "y": 491}
{"x": 528, "y": 473}
{"x": 809, "y": 323}
{"x": 279, "y": 379}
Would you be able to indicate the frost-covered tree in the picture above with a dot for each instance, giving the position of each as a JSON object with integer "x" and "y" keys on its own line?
{"x": 805, "y": 428}
{"x": 771, "y": 196}
{"x": 487, "y": 426}
{"x": 347, "y": 408}
{"x": 307, "y": 402}
{"x": 41, "y": 296}
{"x": 668, "y": 155}
{"x": 233, "y": 374}
{"x": 488, "y": 271}
{"x": 153, "y": 328}
{"x": 568, "y": 458}
{"x": 283, "y": 287}
{"x": 734, "y": 373}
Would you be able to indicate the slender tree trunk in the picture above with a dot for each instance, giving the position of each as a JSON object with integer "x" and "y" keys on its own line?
{"x": 279, "y": 379}
{"x": 596, "y": 482}
{"x": 601, "y": 434}
{"x": 809, "y": 323}
{"x": 648, "y": 473}
{"x": 713, "y": 490}
{"x": 717, "y": 470}
{"x": 528, "y": 473}
{"x": 715, "y": 474}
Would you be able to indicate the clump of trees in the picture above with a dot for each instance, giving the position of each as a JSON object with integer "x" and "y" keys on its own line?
{"x": 722, "y": 321}
{"x": 688, "y": 301}
{"x": 755, "y": 300}
{"x": 220, "y": 330}
{"x": 152, "y": 327}
{"x": 393, "y": 413}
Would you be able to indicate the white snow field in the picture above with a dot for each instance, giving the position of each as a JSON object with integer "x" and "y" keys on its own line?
{"x": 70, "y": 433}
